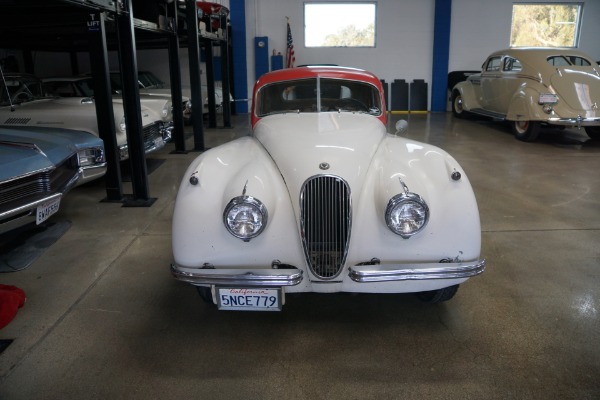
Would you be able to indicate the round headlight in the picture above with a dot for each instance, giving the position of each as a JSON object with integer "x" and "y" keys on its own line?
{"x": 122, "y": 125}
{"x": 245, "y": 217}
{"x": 167, "y": 109}
{"x": 406, "y": 214}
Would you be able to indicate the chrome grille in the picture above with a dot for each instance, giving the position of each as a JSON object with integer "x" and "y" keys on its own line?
{"x": 152, "y": 133}
{"x": 325, "y": 219}
{"x": 40, "y": 184}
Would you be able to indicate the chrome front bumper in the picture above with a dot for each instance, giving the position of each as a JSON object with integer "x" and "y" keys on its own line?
{"x": 358, "y": 273}
{"x": 405, "y": 272}
{"x": 238, "y": 277}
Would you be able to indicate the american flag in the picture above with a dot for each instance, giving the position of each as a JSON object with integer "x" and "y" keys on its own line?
{"x": 290, "y": 57}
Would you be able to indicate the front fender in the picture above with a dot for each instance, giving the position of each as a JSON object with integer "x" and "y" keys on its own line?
{"x": 199, "y": 235}
{"x": 453, "y": 231}
{"x": 468, "y": 95}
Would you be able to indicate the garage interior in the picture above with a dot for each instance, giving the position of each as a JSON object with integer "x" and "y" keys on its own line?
{"x": 105, "y": 319}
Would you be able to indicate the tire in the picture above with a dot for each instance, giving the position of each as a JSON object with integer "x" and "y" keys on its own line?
{"x": 457, "y": 105}
{"x": 593, "y": 131}
{"x": 526, "y": 131}
{"x": 438, "y": 296}
{"x": 205, "y": 294}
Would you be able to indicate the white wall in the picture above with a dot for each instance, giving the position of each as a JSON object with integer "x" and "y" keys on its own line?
{"x": 480, "y": 27}
{"x": 404, "y": 38}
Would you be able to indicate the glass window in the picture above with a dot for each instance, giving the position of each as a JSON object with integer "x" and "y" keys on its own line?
{"x": 511, "y": 64}
{"x": 493, "y": 64}
{"x": 564, "y": 61}
{"x": 545, "y": 25}
{"x": 339, "y": 24}
{"x": 318, "y": 95}
{"x": 21, "y": 89}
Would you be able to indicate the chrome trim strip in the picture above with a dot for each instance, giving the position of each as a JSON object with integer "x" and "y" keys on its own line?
{"x": 404, "y": 272}
{"x": 27, "y": 207}
{"x": 238, "y": 277}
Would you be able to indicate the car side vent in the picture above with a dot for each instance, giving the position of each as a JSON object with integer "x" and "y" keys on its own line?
{"x": 17, "y": 121}
{"x": 325, "y": 220}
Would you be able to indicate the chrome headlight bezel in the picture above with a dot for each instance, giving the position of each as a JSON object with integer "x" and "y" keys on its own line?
{"x": 416, "y": 203}
{"x": 90, "y": 156}
{"x": 251, "y": 204}
{"x": 167, "y": 110}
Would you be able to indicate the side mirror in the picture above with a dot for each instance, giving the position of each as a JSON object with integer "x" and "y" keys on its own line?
{"x": 401, "y": 126}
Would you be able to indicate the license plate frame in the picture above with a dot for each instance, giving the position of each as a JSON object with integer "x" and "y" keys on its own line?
{"x": 249, "y": 299}
{"x": 46, "y": 210}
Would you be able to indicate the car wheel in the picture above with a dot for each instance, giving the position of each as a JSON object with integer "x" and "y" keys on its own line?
{"x": 526, "y": 131}
{"x": 457, "y": 105}
{"x": 593, "y": 131}
{"x": 205, "y": 294}
{"x": 438, "y": 296}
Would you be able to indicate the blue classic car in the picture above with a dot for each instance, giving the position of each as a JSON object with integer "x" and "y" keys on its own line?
{"x": 38, "y": 166}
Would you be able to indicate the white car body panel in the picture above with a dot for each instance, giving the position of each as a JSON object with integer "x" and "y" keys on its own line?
{"x": 454, "y": 232}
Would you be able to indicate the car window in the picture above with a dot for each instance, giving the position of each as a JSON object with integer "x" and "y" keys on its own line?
{"x": 302, "y": 95}
{"x": 62, "y": 89}
{"x": 575, "y": 60}
{"x": 493, "y": 64}
{"x": 149, "y": 80}
{"x": 511, "y": 64}
{"x": 563, "y": 61}
{"x": 558, "y": 61}
{"x": 21, "y": 89}
{"x": 85, "y": 87}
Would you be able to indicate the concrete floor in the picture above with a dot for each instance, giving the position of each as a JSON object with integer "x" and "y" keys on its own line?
{"x": 105, "y": 320}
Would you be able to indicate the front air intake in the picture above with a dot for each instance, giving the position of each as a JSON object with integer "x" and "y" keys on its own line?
{"x": 325, "y": 221}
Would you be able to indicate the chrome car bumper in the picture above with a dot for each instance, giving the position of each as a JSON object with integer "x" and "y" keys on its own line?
{"x": 574, "y": 121}
{"x": 238, "y": 277}
{"x": 358, "y": 273}
{"x": 404, "y": 272}
{"x": 91, "y": 172}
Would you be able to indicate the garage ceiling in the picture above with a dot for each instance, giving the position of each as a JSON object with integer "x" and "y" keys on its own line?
{"x": 61, "y": 25}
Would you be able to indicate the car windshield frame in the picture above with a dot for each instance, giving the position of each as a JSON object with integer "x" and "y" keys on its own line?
{"x": 20, "y": 89}
{"x": 318, "y": 94}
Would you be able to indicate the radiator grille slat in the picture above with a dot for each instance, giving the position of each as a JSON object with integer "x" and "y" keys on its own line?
{"x": 325, "y": 220}
{"x": 40, "y": 184}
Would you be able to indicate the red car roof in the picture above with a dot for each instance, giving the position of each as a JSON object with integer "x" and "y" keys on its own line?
{"x": 318, "y": 71}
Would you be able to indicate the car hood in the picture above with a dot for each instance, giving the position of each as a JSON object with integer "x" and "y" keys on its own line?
{"x": 51, "y": 110}
{"x": 579, "y": 88}
{"x": 24, "y": 151}
{"x": 307, "y": 144}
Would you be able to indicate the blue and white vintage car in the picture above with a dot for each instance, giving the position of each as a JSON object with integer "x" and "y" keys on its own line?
{"x": 322, "y": 199}
{"x": 38, "y": 166}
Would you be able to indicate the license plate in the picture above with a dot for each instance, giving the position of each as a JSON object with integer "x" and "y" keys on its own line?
{"x": 548, "y": 98}
{"x": 249, "y": 299}
{"x": 46, "y": 210}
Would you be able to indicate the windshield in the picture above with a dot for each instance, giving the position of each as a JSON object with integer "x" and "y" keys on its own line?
{"x": 20, "y": 89}
{"x": 318, "y": 95}
{"x": 80, "y": 88}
